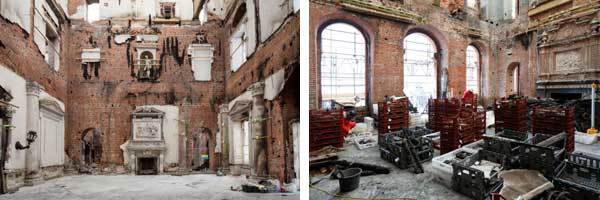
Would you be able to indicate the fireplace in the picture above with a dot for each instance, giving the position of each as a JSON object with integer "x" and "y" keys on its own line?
{"x": 146, "y": 150}
{"x": 147, "y": 166}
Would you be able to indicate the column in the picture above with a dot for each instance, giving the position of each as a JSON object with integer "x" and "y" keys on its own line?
{"x": 32, "y": 155}
{"x": 223, "y": 140}
{"x": 258, "y": 132}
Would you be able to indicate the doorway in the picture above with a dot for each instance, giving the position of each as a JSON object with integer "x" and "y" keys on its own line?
{"x": 91, "y": 147}
{"x": 512, "y": 79}
{"x": 201, "y": 150}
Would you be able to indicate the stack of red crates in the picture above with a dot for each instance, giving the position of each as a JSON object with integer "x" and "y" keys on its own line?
{"x": 466, "y": 126}
{"x": 554, "y": 120}
{"x": 458, "y": 123}
{"x": 479, "y": 124}
{"x": 443, "y": 118}
{"x": 511, "y": 114}
{"x": 449, "y": 135}
{"x": 325, "y": 129}
{"x": 393, "y": 115}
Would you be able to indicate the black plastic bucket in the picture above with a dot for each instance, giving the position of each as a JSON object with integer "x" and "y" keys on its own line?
{"x": 349, "y": 179}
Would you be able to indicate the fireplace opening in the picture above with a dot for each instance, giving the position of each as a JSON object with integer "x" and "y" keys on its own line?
{"x": 561, "y": 97}
{"x": 147, "y": 166}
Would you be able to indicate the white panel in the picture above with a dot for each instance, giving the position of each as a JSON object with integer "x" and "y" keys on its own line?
{"x": 272, "y": 15}
{"x": 251, "y": 28}
{"x": 17, "y": 11}
{"x": 246, "y": 142}
{"x": 202, "y": 57}
{"x": 238, "y": 153}
{"x": 90, "y": 55}
{"x": 48, "y": 143}
{"x": 274, "y": 84}
{"x": 16, "y": 86}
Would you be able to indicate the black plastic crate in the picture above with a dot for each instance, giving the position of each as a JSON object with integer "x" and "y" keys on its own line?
{"x": 543, "y": 159}
{"x": 394, "y": 147}
{"x": 580, "y": 175}
{"x": 472, "y": 182}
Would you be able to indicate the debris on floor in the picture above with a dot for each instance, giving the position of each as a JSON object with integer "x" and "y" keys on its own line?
{"x": 585, "y": 138}
{"x": 261, "y": 186}
{"x": 523, "y": 184}
{"x": 367, "y": 169}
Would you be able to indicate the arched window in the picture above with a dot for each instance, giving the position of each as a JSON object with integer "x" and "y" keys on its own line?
{"x": 420, "y": 82}
{"x": 512, "y": 79}
{"x": 473, "y": 66}
{"x": 343, "y": 63}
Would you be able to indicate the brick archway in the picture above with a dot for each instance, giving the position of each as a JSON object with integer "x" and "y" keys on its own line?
{"x": 368, "y": 34}
{"x": 512, "y": 84}
{"x": 442, "y": 58}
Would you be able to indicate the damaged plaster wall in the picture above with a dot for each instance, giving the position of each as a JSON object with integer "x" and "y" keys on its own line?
{"x": 272, "y": 15}
{"x": 107, "y": 101}
{"x": 263, "y": 63}
{"x": 219, "y": 7}
{"x": 114, "y": 9}
{"x": 15, "y": 84}
{"x": 17, "y": 12}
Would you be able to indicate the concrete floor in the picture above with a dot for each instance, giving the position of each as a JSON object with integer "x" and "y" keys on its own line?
{"x": 399, "y": 183}
{"x": 163, "y": 187}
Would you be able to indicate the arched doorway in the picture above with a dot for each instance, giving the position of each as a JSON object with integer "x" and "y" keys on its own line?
{"x": 343, "y": 65}
{"x": 473, "y": 69}
{"x": 512, "y": 79}
{"x": 420, "y": 68}
{"x": 201, "y": 149}
{"x": 91, "y": 147}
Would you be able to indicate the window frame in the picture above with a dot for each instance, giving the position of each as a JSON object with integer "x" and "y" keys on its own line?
{"x": 477, "y": 69}
{"x": 357, "y": 34}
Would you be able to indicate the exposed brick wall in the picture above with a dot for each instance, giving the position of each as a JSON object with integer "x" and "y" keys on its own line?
{"x": 19, "y": 53}
{"x": 385, "y": 38}
{"x": 281, "y": 51}
{"x": 106, "y": 102}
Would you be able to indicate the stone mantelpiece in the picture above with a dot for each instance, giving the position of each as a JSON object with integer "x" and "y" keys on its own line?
{"x": 147, "y": 139}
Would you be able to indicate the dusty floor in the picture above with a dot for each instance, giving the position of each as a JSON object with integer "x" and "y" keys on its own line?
{"x": 163, "y": 187}
{"x": 399, "y": 183}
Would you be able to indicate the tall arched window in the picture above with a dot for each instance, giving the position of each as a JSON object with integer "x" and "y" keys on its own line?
{"x": 343, "y": 50}
{"x": 473, "y": 69}
{"x": 512, "y": 79}
{"x": 420, "y": 82}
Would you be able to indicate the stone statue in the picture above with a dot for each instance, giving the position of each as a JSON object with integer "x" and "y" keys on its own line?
{"x": 144, "y": 71}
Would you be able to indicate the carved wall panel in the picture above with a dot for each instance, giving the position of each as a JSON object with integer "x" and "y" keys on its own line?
{"x": 147, "y": 129}
{"x": 568, "y": 60}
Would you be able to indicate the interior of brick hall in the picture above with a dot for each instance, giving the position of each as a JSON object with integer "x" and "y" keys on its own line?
{"x": 176, "y": 98}
{"x": 454, "y": 99}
